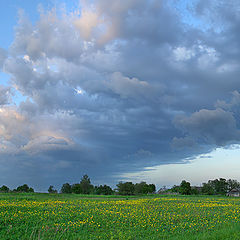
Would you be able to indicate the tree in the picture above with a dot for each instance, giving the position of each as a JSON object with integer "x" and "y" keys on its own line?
{"x": 4, "y": 189}
{"x": 52, "y": 190}
{"x": 24, "y": 188}
{"x": 175, "y": 189}
{"x": 219, "y": 186}
{"x": 144, "y": 188}
{"x": 126, "y": 188}
{"x": 66, "y": 188}
{"x": 103, "y": 190}
{"x": 185, "y": 188}
{"x": 207, "y": 189}
{"x": 195, "y": 190}
{"x": 86, "y": 185}
{"x": 152, "y": 188}
{"x": 76, "y": 188}
{"x": 141, "y": 188}
{"x": 231, "y": 184}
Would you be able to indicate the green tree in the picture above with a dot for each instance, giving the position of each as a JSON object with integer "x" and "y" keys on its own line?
{"x": 126, "y": 188}
{"x": 144, "y": 188}
{"x": 175, "y": 189}
{"x": 66, "y": 188}
{"x": 185, "y": 188}
{"x": 231, "y": 184}
{"x": 219, "y": 186}
{"x": 4, "y": 189}
{"x": 24, "y": 188}
{"x": 51, "y": 189}
{"x": 195, "y": 190}
{"x": 207, "y": 189}
{"x": 103, "y": 190}
{"x": 86, "y": 185}
{"x": 152, "y": 188}
{"x": 76, "y": 188}
{"x": 141, "y": 188}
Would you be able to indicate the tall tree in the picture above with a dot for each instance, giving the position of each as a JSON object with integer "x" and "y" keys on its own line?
{"x": 220, "y": 186}
{"x": 24, "y": 188}
{"x": 207, "y": 189}
{"x": 66, "y": 188}
{"x": 185, "y": 188}
{"x": 126, "y": 188}
{"x": 76, "y": 188}
{"x": 51, "y": 189}
{"x": 103, "y": 190}
{"x": 152, "y": 188}
{"x": 4, "y": 189}
{"x": 86, "y": 185}
{"x": 231, "y": 184}
{"x": 144, "y": 188}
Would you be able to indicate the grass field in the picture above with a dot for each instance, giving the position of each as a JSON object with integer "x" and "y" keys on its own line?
{"x": 44, "y": 216}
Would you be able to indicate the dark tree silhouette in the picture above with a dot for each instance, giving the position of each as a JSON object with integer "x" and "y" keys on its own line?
{"x": 51, "y": 189}
{"x": 66, "y": 188}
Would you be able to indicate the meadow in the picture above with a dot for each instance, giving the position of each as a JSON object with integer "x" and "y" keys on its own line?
{"x": 60, "y": 216}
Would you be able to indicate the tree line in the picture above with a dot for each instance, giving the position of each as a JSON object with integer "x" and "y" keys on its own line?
{"x": 85, "y": 187}
{"x": 123, "y": 188}
{"x": 213, "y": 187}
{"x": 22, "y": 188}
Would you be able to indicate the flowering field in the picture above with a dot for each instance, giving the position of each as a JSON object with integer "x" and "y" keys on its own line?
{"x": 42, "y": 216}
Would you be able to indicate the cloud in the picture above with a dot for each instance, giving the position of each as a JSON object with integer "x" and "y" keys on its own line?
{"x": 5, "y": 95}
{"x": 183, "y": 142}
{"x": 12, "y": 123}
{"x": 129, "y": 87}
{"x": 119, "y": 86}
{"x": 213, "y": 126}
{"x": 3, "y": 56}
{"x": 235, "y": 101}
{"x": 45, "y": 143}
{"x": 49, "y": 37}
{"x": 86, "y": 23}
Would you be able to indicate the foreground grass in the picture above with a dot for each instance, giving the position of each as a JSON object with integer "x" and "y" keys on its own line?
{"x": 44, "y": 216}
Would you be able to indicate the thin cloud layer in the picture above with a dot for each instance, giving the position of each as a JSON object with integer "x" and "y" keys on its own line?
{"x": 118, "y": 86}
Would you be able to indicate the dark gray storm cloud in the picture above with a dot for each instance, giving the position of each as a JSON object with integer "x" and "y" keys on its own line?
{"x": 116, "y": 86}
{"x": 216, "y": 126}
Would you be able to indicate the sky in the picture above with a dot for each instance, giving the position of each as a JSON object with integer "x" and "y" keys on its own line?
{"x": 119, "y": 90}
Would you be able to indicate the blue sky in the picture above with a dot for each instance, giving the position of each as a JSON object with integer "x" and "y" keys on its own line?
{"x": 10, "y": 11}
{"x": 9, "y": 14}
{"x": 140, "y": 90}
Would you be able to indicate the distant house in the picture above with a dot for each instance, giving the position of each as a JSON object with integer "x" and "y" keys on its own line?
{"x": 162, "y": 190}
{"x": 234, "y": 193}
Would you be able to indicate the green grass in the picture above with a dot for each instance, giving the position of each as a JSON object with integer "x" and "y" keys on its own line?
{"x": 61, "y": 216}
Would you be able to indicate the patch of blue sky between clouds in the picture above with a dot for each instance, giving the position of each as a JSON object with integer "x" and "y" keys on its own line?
{"x": 185, "y": 9}
{"x": 17, "y": 97}
{"x": 9, "y": 11}
{"x": 4, "y": 79}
